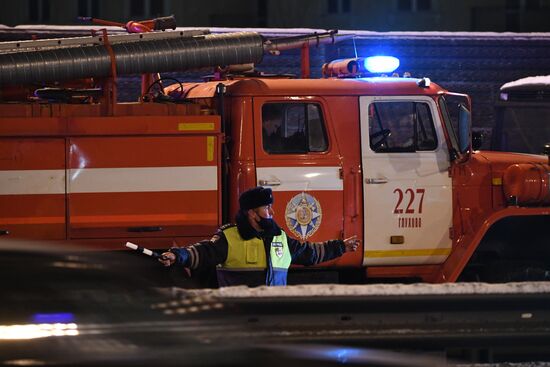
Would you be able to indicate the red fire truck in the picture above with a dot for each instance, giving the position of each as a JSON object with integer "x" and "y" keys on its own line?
{"x": 388, "y": 159}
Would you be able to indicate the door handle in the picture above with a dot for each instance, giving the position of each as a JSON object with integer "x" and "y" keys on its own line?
{"x": 376, "y": 181}
{"x": 4, "y": 232}
{"x": 356, "y": 182}
{"x": 274, "y": 182}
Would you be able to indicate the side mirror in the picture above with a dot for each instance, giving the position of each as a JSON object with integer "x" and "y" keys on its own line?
{"x": 546, "y": 151}
{"x": 477, "y": 140}
{"x": 464, "y": 129}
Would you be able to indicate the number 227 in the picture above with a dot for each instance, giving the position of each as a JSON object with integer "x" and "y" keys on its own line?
{"x": 410, "y": 193}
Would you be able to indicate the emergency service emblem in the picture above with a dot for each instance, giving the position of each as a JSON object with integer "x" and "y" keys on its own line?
{"x": 278, "y": 247}
{"x": 303, "y": 215}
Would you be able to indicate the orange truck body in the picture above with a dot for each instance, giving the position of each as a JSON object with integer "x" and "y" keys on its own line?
{"x": 162, "y": 173}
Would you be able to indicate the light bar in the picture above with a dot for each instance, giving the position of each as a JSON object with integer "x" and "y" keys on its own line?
{"x": 381, "y": 64}
{"x": 346, "y": 68}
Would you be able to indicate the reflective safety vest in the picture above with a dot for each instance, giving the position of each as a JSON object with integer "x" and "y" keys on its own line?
{"x": 249, "y": 255}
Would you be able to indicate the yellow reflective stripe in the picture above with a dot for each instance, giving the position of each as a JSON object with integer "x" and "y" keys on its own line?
{"x": 195, "y": 126}
{"x": 282, "y": 260}
{"x": 243, "y": 254}
{"x": 250, "y": 254}
{"x": 406, "y": 253}
{"x": 209, "y": 148}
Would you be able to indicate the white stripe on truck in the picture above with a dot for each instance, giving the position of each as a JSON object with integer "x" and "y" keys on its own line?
{"x": 303, "y": 178}
{"x": 98, "y": 180}
{"x": 26, "y": 182}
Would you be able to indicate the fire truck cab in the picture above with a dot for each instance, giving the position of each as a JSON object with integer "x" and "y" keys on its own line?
{"x": 344, "y": 157}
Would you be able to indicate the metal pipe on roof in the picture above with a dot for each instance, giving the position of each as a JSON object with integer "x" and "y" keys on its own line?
{"x": 160, "y": 55}
{"x": 274, "y": 46}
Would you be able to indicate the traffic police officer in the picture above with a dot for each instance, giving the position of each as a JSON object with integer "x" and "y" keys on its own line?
{"x": 255, "y": 251}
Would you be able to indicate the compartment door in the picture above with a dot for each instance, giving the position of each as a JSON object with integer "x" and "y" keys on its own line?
{"x": 32, "y": 188}
{"x": 143, "y": 186}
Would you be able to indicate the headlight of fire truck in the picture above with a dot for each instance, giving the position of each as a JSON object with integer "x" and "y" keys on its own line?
{"x": 361, "y": 66}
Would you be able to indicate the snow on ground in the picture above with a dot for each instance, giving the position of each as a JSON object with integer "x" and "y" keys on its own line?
{"x": 324, "y": 290}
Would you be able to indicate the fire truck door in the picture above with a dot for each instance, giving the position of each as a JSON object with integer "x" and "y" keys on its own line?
{"x": 297, "y": 160}
{"x": 406, "y": 184}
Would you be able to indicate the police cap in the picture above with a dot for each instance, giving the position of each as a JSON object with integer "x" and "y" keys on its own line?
{"x": 255, "y": 197}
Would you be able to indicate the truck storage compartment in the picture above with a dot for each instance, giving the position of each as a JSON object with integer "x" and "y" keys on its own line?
{"x": 150, "y": 185}
{"x": 32, "y": 187}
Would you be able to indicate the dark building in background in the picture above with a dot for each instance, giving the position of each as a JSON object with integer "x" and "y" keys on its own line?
{"x": 375, "y": 15}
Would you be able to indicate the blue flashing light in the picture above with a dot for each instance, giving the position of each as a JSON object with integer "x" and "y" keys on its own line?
{"x": 381, "y": 64}
{"x": 52, "y": 318}
{"x": 343, "y": 355}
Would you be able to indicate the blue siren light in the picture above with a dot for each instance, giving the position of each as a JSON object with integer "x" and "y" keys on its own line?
{"x": 53, "y": 318}
{"x": 381, "y": 64}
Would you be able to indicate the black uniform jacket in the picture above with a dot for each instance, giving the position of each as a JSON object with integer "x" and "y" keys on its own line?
{"x": 210, "y": 253}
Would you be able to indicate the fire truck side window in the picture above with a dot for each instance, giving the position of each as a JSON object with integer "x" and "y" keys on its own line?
{"x": 401, "y": 127}
{"x": 293, "y": 128}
